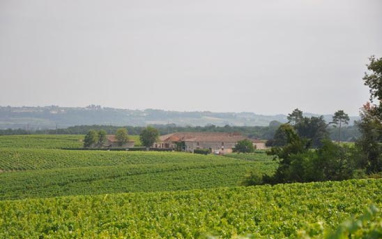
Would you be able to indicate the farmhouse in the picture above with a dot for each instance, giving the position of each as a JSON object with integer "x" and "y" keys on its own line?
{"x": 259, "y": 144}
{"x": 112, "y": 142}
{"x": 189, "y": 141}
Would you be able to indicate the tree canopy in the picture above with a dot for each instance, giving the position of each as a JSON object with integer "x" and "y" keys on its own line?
{"x": 370, "y": 124}
{"x": 314, "y": 129}
{"x": 121, "y": 136}
{"x": 244, "y": 146}
{"x": 149, "y": 136}
{"x": 91, "y": 138}
{"x": 339, "y": 118}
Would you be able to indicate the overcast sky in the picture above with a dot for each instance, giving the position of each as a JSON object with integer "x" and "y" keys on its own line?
{"x": 266, "y": 57}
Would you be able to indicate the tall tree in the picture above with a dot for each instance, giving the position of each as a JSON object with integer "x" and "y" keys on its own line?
{"x": 121, "y": 136}
{"x": 295, "y": 117}
{"x": 370, "y": 124}
{"x": 149, "y": 136}
{"x": 101, "y": 137}
{"x": 374, "y": 79}
{"x": 339, "y": 118}
{"x": 91, "y": 138}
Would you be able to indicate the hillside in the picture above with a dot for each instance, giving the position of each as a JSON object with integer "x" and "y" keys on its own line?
{"x": 51, "y": 117}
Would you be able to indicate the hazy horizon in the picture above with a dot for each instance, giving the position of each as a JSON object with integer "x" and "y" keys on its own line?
{"x": 264, "y": 57}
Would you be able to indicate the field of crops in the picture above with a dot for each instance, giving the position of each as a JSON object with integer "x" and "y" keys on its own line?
{"x": 32, "y": 173}
{"x": 48, "y": 141}
{"x": 41, "y": 141}
{"x": 46, "y": 192}
{"x": 281, "y": 211}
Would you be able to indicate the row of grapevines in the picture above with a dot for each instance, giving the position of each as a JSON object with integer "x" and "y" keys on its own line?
{"x": 125, "y": 178}
{"x": 281, "y": 211}
{"x": 41, "y": 141}
{"x": 35, "y": 159}
{"x": 48, "y": 141}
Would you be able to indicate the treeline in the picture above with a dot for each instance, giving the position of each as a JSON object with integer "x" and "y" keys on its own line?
{"x": 305, "y": 153}
{"x": 349, "y": 133}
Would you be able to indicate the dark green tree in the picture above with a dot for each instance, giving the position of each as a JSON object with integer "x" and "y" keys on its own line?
{"x": 244, "y": 146}
{"x": 121, "y": 136}
{"x": 101, "y": 137}
{"x": 333, "y": 162}
{"x": 374, "y": 79}
{"x": 370, "y": 124}
{"x": 314, "y": 129}
{"x": 295, "y": 117}
{"x": 149, "y": 136}
{"x": 280, "y": 138}
{"x": 340, "y": 118}
{"x": 91, "y": 138}
{"x": 286, "y": 155}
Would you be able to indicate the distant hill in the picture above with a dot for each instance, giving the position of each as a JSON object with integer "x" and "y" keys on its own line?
{"x": 50, "y": 117}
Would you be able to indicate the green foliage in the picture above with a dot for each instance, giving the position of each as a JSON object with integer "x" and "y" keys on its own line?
{"x": 365, "y": 226}
{"x": 374, "y": 79}
{"x": 314, "y": 129}
{"x": 333, "y": 162}
{"x": 41, "y": 141}
{"x": 202, "y": 151}
{"x": 91, "y": 138}
{"x": 370, "y": 142}
{"x": 295, "y": 117}
{"x": 281, "y": 211}
{"x": 101, "y": 137}
{"x": 121, "y": 136}
{"x": 280, "y": 138}
{"x": 370, "y": 125}
{"x": 299, "y": 164}
{"x": 252, "y": 178}
{"x": 339, "y": 118}
{"x": 244, "y": 146}
{"x": 48, "y": 173}
{"x": 149, "y": 136}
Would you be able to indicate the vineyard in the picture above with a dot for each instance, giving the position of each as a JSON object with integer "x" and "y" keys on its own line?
{"x": 282, "y": 211}
{"x": 46, "y": 192}
{"x": 33, "y": 173}
{"x": 47, "y": 141}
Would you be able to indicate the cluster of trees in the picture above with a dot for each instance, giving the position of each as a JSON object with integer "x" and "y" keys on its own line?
{"x": 98, "y": 138}
{"x": 305, "y": 153}
{"x": 94, "y": 138}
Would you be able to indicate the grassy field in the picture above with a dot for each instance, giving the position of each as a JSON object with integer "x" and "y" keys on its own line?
{"x": 47, "y": 192}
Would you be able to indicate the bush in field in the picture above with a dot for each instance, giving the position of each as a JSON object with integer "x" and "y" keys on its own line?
{"x": 244, "y": 146}
{"x": 202, "y": 151}
{"x": 91, "y": 138}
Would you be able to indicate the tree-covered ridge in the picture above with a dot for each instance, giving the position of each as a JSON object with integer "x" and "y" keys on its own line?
{"x": 55, "y": 117}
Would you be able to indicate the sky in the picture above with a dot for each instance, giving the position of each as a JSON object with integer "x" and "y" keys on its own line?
{"x": 266, "y": 57}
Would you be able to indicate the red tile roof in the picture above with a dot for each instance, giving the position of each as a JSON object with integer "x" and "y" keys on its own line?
{"x": 202, "y": 137}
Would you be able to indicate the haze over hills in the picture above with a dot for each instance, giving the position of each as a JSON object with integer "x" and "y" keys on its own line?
{"x": 50, "y": 117}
